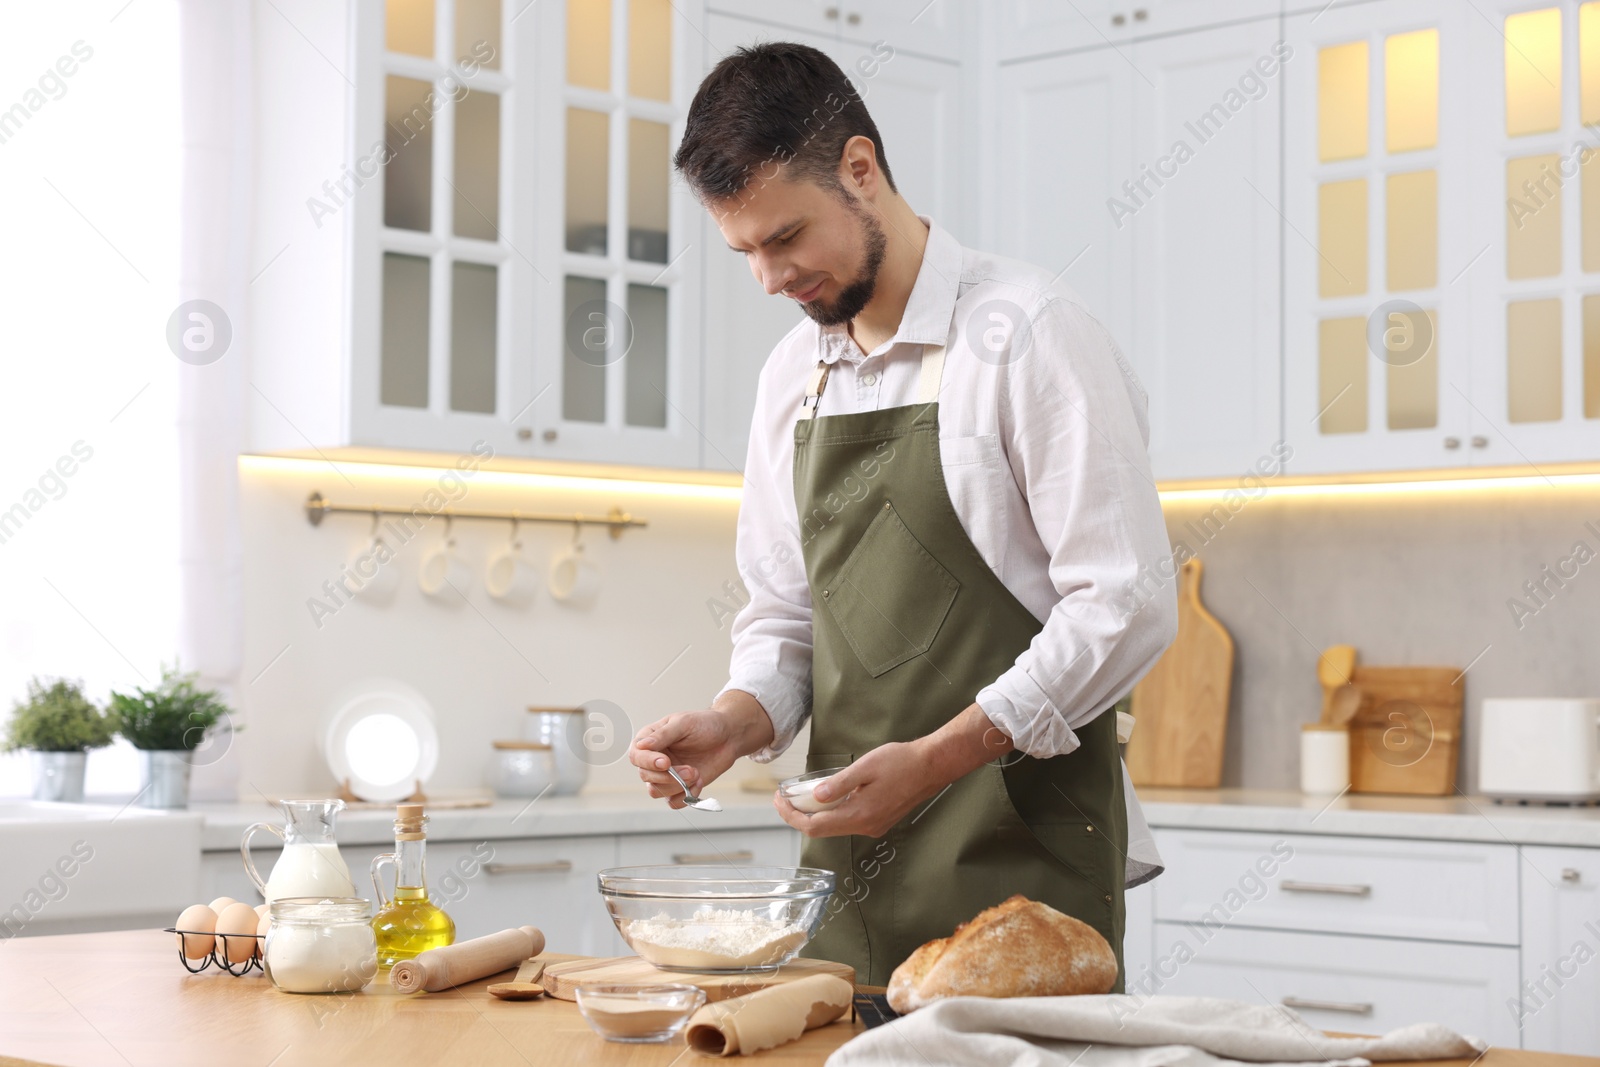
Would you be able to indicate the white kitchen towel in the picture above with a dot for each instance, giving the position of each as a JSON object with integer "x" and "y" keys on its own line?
{"x": 1119, "y": 1030}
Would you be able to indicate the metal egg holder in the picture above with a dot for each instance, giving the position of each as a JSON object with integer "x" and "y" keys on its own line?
{"x": 219, "y": 941}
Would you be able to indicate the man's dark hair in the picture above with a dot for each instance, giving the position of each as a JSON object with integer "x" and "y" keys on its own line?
{"x": 771, "y": 104}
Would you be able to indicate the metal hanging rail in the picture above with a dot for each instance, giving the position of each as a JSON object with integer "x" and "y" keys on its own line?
{"x": 617, "y": 520}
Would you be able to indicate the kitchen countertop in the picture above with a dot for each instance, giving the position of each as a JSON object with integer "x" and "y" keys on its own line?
{"x": 123, "y": 998}
{"x": 1453, "y": 818}
{"x": 594, "y": 813}
{"x": 91, "y": 999}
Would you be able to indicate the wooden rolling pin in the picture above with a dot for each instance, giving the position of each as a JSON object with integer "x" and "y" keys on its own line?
{"x": 453, "y": 965}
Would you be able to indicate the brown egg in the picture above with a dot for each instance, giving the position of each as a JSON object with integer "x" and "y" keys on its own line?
{"x": 220, "y": 905}
{"x": 203, "y": 921}
{"x": 261, "y": 928}
{"x": 234, "y": 927}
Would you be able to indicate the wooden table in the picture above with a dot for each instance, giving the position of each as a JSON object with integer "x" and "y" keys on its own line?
{"x": 123, "y": 999}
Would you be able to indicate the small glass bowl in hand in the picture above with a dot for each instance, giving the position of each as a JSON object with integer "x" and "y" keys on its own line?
{"x": 639, "y": 1014}
{"x": 798, "y": 791}
{"x": 716, "y": 919}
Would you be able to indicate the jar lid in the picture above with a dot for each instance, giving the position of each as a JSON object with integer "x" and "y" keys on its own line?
{"x": 535, "y": 709}
{"x": 1324, "y": 728}
{"x": 535, "y": 745}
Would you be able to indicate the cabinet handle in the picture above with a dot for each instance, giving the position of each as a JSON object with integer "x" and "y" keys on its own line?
{"x": 1119, "y": 20}
{"x": 854, "y": 18}
{"x": 1452, "y": 442}
{"x": 524, "y": 434}
{"x": 744, "y": 855}
{"x": 549, "y": 435}
{"x": 1348, "y": 1007}
{"x": 831, "y": 13}
{"x": 528, "y": 868}
{"x": 1571, "y": 874}
{"x": 1140, "y": 14}
{"x": 1336, "y": 888}
{"x": 1479, "y": 441}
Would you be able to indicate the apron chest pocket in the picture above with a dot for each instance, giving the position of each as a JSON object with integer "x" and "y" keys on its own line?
{"x": 891, "y": 597}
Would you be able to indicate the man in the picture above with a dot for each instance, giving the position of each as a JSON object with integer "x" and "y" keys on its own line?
{"x": 947, "y": 502}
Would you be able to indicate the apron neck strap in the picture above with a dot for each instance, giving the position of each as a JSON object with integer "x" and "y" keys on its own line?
{"x": 932, "y": 374}
{"x": 928, "y": 381}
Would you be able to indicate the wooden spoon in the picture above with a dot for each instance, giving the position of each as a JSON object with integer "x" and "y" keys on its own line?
{"x": 1334, "y": 669}
{"x": 1346, "y": 702}
{"x": 517, "y": 990}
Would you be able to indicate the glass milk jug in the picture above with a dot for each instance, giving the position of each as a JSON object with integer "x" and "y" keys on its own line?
{"x": 310, "y": 865}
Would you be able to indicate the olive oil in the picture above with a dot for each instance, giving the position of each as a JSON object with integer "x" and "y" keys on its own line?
{"x": 408, "y": 923}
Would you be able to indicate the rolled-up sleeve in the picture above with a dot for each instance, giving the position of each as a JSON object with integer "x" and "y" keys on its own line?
{"x": 1073, "y": 425}
{"x": 772, "y": 632}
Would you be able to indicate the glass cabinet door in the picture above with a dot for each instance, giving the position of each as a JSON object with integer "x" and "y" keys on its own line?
{"x": 434, "y": 238}
{"x": 1537, "y": 372}
{"x": 616, "y": 340}
{"x": 1377, "y": 316}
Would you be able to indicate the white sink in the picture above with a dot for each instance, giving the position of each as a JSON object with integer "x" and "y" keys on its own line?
{"x": 94, "y": 866}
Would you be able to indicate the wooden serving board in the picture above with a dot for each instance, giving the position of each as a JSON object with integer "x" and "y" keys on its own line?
{"x": 1180, "y": 708}
{"x": 561, "y": 980}
{"x": 1406, "y": 734}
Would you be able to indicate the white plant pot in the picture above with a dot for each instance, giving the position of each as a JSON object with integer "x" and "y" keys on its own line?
{"x": 166, "y": 779}
{"x": 59, "y": 776}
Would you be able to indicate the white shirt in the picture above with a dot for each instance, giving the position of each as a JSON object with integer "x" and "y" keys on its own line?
{"x": 1043, "y": 437}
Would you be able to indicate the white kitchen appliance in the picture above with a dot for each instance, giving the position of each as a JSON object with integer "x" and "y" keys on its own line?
{"x": 1544, "y": 749}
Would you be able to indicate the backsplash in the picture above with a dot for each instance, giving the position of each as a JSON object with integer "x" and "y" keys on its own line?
{"x": 651, "y": 643}
{"x": 1409, "y": 577}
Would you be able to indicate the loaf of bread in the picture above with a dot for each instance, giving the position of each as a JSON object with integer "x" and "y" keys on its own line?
{"x": 1019, "y": 948}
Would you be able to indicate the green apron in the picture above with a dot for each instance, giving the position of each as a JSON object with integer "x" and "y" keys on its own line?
{"x": 908, "y": 624}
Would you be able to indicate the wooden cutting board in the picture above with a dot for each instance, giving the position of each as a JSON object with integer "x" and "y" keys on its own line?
{"x": 1406, "y": 734}
{"x": 1180, "y": 708}
{"x": 562, "y": 980}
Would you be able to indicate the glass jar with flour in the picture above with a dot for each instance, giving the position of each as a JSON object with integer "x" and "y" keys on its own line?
{"x": 320, "y": 945}
{"x": 310, "y": 864}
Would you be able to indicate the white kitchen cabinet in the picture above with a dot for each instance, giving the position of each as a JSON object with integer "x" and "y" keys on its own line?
{"x": 1041, "y": 27}
{"x": 1368, "y": 985}
{"x": 1206, "y": 269}
{"x": 915, "y": 103}
{"x": 1385, "y": 256}
{"x": 1065, "y": 147}
{"x": 1560, "y": 951}
{"x": 1340, "y": 885}
{"x": 929, "y": 27}
{"x": 777, "y": 847}
{"x": 517, "y": 264}
{"x": 1536, "y": 216}
{"x": 1148, "y": 175}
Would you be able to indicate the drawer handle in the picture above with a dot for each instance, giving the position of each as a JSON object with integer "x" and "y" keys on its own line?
{"x": 744, "y": 855}
{"x": 1348, "y": 1007}
{"x": 528, "y": 868}
{"x": 1571, "y": 874}
{"x": 1289, "y": 886}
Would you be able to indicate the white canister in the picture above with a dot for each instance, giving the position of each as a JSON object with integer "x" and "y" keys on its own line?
{"x": 321, "y": 944}
{"x": 1324, "y": 759}
{"x": 561, "y": 729}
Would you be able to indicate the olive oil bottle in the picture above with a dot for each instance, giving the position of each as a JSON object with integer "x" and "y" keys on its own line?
{"x": 407, "y": 923}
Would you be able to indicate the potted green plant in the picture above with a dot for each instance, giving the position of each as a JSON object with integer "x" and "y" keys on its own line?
{"x": 167, "y": 724}
{"x": 59, "y": 725}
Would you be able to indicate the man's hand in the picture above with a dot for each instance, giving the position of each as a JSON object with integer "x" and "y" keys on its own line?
{"x": 701, "y": 745}
{"x": 891, "y": 781}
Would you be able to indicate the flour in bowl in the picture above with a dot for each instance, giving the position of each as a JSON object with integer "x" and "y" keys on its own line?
{"x": 715, "y": 939}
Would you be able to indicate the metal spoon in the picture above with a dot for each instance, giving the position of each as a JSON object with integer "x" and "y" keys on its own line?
{"x": 702, "y": 803}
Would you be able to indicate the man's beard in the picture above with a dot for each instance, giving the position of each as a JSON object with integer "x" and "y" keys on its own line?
{"x": 855, "y": 296}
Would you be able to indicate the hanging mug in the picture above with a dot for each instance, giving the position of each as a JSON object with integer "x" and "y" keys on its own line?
{"x": 372, "y": 566}
{"x": 509, "y": 577}
{"x": 573, "y": 579}
{"x": 444, "y": 573}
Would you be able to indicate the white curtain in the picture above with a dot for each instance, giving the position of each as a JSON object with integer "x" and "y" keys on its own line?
{"x": 214, "y": 265}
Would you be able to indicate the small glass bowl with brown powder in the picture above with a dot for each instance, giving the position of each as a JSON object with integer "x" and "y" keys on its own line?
{"x": 638, "y": 1014}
